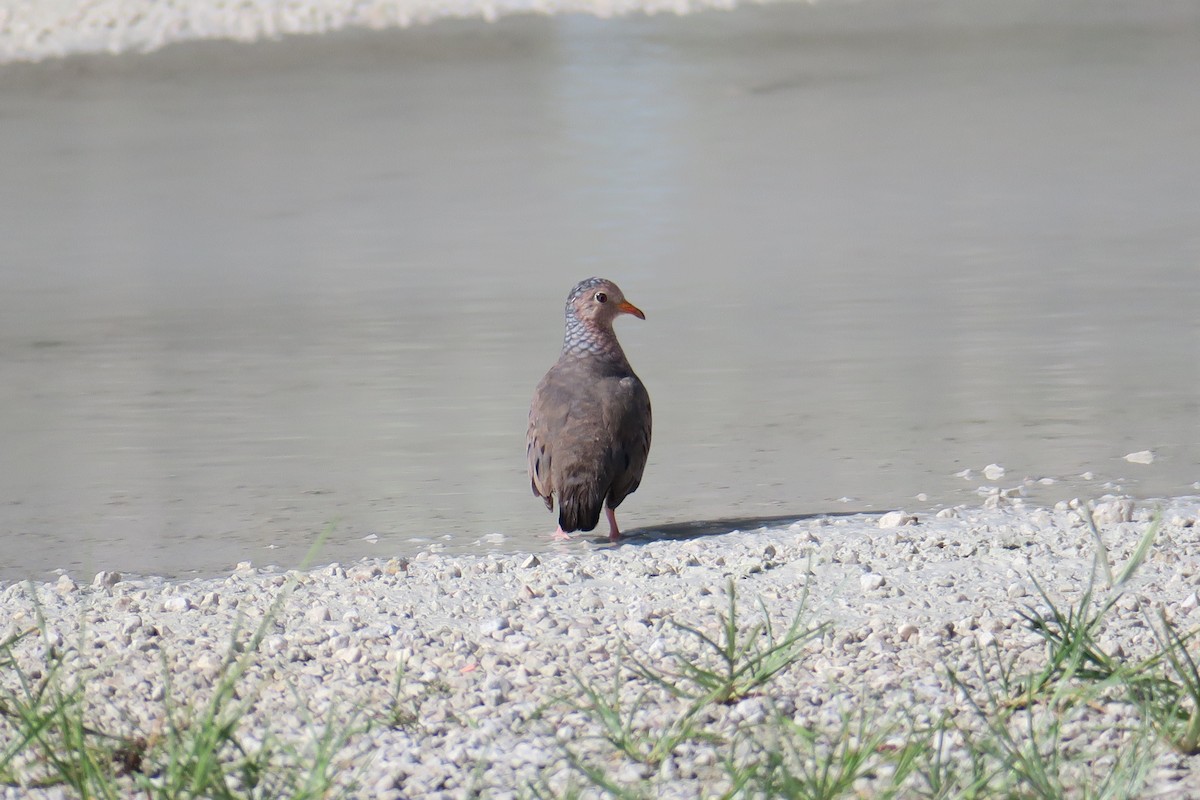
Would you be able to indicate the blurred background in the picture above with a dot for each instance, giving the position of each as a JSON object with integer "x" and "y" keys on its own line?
{"x": 254, "y": 292}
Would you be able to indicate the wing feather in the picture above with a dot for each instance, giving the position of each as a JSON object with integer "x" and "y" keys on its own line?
{"x": 588, "y": 440}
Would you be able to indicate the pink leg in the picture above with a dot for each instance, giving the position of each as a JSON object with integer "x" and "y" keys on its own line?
{"x": 560, "y": 535}
{"x": 614, "y": 534}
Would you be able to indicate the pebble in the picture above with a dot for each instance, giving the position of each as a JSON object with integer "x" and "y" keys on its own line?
{"x": 895, "y": 519}
{"x": 871, "y": 581}
{"x": 366, "y": 572}
{"x": 349, "y": 655}
{"x": 176, "y": 604}
{"x": 106, "y": 580}
{"x": 1112, "y": 511}
{"x": 206, "y": 664}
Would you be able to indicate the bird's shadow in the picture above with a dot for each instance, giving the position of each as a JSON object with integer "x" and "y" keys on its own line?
{"x": 682, "y": 531}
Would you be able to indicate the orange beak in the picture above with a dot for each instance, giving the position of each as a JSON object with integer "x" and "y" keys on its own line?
{"x": 626, "y": 307}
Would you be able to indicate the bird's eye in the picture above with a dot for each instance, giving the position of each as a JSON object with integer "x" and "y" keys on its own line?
{"x": 601, "y": 297}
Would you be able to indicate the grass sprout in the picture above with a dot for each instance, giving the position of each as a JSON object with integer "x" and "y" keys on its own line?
{"x": 739, "y": 660}
{"x": 800, "y": 763}
{"x": 619, "y": 722}
{"x": 1175, "y": 708}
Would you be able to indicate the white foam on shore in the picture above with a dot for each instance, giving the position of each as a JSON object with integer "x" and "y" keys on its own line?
{"x": 32, "y": 30}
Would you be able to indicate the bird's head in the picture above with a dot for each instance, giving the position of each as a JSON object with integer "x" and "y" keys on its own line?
{"x": 599, "y": 301}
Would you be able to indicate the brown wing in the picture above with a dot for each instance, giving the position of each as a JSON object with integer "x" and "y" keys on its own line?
{"x": 630, "y": 445}
{"x": 544, "y": 419}
{"x": 588, "y": 438}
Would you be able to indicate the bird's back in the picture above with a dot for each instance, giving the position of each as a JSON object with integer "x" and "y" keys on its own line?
{"x": 589, "y": 437}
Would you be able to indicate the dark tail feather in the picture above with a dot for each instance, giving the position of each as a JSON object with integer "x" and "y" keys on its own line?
{"x": 579, "y": 508}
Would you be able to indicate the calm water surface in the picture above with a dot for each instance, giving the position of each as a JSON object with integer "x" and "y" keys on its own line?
{"x": 251, "y": 293}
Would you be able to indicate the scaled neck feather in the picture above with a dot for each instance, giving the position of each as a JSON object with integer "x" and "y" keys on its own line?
{"x": 586, "y": 339}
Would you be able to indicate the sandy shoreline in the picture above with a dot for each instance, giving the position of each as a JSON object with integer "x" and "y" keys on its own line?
{"x": 33, "y": 31}
{"x": 488, "y": 642}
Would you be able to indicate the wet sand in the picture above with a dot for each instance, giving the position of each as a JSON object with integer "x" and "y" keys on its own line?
{"x": 249, "y": 293}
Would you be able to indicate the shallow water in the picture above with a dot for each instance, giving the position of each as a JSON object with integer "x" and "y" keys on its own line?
{"x": 253, "y": 293}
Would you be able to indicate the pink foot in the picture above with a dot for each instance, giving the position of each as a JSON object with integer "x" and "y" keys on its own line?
{"x": 614, "y": 534}
{"x": 560, "y": 535}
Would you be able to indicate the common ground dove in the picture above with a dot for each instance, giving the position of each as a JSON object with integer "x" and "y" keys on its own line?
{"x": 589, "y": 423}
